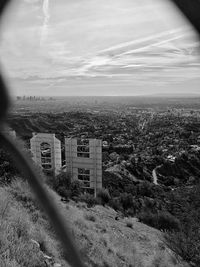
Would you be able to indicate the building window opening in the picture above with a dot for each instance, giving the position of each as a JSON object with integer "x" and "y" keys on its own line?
{"x": 45, "y": 149}
{"x": 83, "y": 149}
{"x": 84, "y": 177}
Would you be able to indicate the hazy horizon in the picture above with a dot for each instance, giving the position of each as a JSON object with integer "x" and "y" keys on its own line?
{"x": 91, "y": 47}
{"x": 116, "y": 96}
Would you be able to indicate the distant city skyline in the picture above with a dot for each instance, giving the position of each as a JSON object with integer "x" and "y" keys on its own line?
{"x": 98, "y": 47}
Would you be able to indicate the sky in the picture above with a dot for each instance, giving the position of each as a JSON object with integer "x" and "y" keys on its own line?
{"x": 98, "y": 47}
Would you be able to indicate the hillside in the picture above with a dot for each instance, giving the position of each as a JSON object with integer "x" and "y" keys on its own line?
{"x": 137, "y": 142}
{"x": 103, "y": 240}
{"x": 119, "y": 243}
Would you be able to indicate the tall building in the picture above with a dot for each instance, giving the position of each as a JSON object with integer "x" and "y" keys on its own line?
{"x": 46, "y": 151}
{"x": 84, "y": 162}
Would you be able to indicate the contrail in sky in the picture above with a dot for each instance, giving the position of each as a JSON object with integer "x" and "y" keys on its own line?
{"x": 44, "y": 31}
{"x": 153, "y": 44}
{"x": 142, "y": 40}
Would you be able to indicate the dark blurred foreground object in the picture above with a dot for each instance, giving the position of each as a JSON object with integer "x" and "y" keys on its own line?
{"x": 191, "y": 9}
{"x": 25, "y": 167}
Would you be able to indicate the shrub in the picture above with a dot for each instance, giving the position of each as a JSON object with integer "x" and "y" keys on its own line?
{"x": 115, "y": 203}
{"x": 131, "y": 212}
{"x": 63, "y": 185}
{"x": 63, "y": 192}
{"x": 89, "y": 199}
{"x": 184, "y": 203}
{"x": 104, "y": 196}
{"x": 126, "y": 200}
{"x": 115, "y": 184}
{"x": 7, "y": 168}
{"x": 62, "y": 180}
{"x": 161, "y": 220}
{"x": 185, "y": 244}
{"x": 146, "y": 189}
{"x": 75, "y": 189}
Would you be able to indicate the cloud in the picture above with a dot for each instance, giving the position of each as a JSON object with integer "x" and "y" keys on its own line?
{"x": 45, "y": 26}
{"x": 31, "y": 1}
{"x": 100, "y": 42}
{"x": 143, "y": 40}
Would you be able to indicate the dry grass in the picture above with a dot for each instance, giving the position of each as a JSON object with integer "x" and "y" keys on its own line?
{"x": 107, "y": 242}
{"x": 21, "y": 222}
{"x": 102, "y": 240}
{"x": 15, "y": 246}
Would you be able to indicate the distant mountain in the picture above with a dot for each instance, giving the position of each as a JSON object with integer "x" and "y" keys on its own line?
{"x": 174, "y": 95}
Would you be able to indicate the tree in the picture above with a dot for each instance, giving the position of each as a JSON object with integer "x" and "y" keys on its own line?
{"x": 75, "y": 188}
{"x": 61, "y": 180}
{"x": 104, "y": 196}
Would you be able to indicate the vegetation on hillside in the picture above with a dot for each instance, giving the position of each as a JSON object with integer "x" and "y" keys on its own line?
{"x": 175, "y": 212}
{"x": 137, "y": 141}
{"x": 27, "y": 239}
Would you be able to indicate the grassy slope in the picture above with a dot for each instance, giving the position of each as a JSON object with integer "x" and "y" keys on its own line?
{"x": 21, "y": 225}
{"x": 102, "y": 240}
{"x": 112, "y": 243}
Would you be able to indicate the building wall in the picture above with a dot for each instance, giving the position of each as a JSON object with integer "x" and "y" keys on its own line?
{"x": 93, "y": 163}
{"x": 55, "y": 146}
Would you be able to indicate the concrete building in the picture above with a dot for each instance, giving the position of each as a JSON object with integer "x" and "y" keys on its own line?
{"x": 84, "y": 162}
{"x": 46, "y": 150}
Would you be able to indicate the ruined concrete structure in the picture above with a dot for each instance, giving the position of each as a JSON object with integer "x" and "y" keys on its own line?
{"x": 84, "y": 162}
{"x": 46, "y": 151}
{"x": 83, "y": 158}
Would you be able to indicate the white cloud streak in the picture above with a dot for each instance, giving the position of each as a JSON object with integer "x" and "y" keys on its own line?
{"x": 154, "y": 44}
{"x": 142, "y": 40}
{"x": 45, "y": 26}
